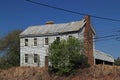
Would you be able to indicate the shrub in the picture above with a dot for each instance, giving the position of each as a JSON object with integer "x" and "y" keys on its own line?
{"x": 67, "y": 55}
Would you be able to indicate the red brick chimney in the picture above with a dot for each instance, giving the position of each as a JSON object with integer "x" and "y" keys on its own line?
{"x": 49, "y": 22}
{"x": 88, "y": 41}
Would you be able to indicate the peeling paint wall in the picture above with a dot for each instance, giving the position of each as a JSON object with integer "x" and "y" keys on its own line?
{"x": 41, "y": 49}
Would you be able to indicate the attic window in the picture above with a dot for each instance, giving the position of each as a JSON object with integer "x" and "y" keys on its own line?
{"x": 26, "y": 42}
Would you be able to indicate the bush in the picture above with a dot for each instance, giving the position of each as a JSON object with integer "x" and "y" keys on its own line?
{"x": 117, "y": 61}
{"x": 66, "y": 55}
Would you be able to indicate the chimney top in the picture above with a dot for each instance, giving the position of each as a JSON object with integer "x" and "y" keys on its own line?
{"x": 49, "y": 22}
{"x": 87, "y": 19}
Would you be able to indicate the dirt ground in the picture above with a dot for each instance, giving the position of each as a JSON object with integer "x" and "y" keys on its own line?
{"x": 97, "y": 72}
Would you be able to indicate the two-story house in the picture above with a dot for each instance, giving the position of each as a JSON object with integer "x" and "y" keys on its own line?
{"x": 35, "y": 41}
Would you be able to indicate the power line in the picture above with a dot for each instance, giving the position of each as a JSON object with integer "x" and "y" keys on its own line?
{"x": 104, "y": 38}
{"x": 70, "y": 11}
{"x": 108, "y": 36}
{"x": 62, "y": 9}
{"x": 118, "y": 31}
{"x": 118, "y": 38}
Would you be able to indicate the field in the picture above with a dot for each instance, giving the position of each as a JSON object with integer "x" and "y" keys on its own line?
{"x": 97, "y": 72}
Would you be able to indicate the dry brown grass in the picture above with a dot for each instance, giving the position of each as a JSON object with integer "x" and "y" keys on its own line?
{"x": 97, "y": 72}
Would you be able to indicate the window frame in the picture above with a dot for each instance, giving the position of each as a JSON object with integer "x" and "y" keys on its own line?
{"x": 46, "y": 41}
{"x": 26, "y": 42}
{"x": 35, "y": 58}
{"x": 58, "y": 38}
{"x": 26, "y": 58}
{"x": 70, "y": 36}
{"x": 35, "y": 41}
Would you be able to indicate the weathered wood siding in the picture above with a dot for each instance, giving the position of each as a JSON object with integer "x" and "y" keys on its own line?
{"x": 41, "y": 49}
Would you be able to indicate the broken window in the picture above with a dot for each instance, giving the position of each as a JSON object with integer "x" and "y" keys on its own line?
{"x": 35, "y": 58}
{"x": 58, "y": 38}
{"x": 26, "y": 58}
{"x": 46, "y": 41}
{"x": 26, "y": 42}
{"x": 35, "y": 41}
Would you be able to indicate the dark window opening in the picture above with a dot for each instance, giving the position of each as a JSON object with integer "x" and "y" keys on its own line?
{"x": 46, "y": 41}
{"x": 97, "y": 61}
{"x": 26, "y": 42}
{"x": 26, "y": 58}
{"x": 35, "y": 41}
{"x": 35, "y": 58}
{"x": 58, "y": 38}
{"x": 46, "y": 61}
{"x": 70, "y": 36}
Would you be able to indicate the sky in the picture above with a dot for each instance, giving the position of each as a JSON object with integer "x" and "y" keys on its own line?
{"x": 20, "y": 14}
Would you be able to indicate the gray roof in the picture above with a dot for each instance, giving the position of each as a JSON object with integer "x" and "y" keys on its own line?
{"x": 103, "y": 56}
{"x": 49, "y": 29}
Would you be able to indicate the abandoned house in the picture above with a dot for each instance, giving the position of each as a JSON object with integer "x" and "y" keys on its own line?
{"x": 35, "y": 41}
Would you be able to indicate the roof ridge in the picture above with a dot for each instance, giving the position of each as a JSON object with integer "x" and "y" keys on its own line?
{"x": 57, "y": 23}
{"x": 54, "y": 28}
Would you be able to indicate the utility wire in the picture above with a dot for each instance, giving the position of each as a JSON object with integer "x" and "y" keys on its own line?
{"x": 118, "y": 31}
{"x": 103, "y": 38}
{"x": 70, "y": 11}
{"x": 118, "y": 38}
{"x": 99, "y": 40}
{"x": 62, "y": 9}
{"x": 108, "y": 36}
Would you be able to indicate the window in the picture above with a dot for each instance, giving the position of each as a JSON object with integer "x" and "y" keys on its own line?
{"x": 46, "y": 41}
{"x": 35, "y": 41}
{"x": 70, "y": 36}
{"x": 26, "y": 58}
{"x": 35, "y": 58}
{"x": 58, "y": 38}
{"x": 46, "y": 61}
{"x": 26, "y": 42}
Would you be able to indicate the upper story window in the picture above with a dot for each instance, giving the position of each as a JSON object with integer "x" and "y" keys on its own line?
{"x": 26, "y": 58}
{"x": 35, "y": 41}
{"x": 35, "y": 58}
{"x": 46, "y": 41}
{"x": 58, "y": 38}
{"x": 70, "y": 36}
{"x": 26, "y": 42}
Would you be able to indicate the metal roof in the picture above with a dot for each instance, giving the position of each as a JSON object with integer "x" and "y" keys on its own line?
{"x": 53, "y": 28}
{"x": 103, "y": 56}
